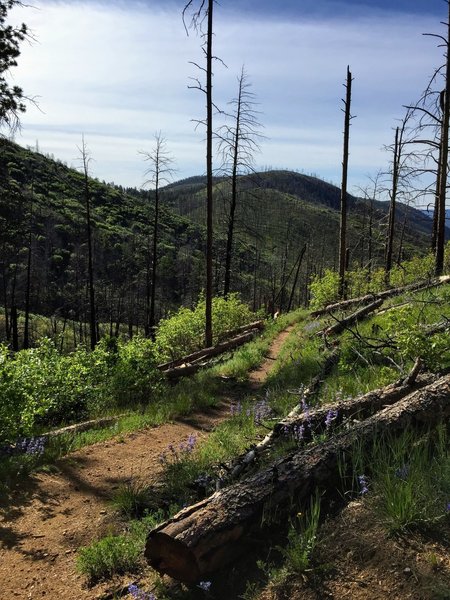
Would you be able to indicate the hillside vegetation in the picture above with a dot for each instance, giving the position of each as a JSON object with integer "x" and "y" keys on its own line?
{"x": 44, "y": 243}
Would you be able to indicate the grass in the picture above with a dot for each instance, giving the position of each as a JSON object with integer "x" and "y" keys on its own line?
{"x": 302, "y": 538}
{"x": 112, "y": 555}
{"x": 411, "y": 479}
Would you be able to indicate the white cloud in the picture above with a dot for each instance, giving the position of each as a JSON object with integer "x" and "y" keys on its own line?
{"x": 119, "y": 73}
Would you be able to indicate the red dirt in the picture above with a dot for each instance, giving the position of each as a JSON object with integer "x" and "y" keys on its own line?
{"x": 51, "y": 515}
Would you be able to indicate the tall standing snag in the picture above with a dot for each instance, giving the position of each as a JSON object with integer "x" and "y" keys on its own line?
{"x": 343, "y": 219}
{"x": 85, "y": 159}
{"x": 238, "y": 143}
{"x": 205, "y": 11}
{"x": 158, "y": 173}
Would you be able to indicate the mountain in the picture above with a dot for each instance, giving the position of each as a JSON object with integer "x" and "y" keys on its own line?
{"x": 43, "y": 225}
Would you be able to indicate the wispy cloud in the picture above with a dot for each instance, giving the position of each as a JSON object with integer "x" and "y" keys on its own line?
{"x": 119, "y": 72}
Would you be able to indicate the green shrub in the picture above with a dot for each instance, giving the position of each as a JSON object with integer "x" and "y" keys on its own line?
{"x": 109, "y": 556}
{"x": 324, "y": 290}
{"x": 184, "y": 332}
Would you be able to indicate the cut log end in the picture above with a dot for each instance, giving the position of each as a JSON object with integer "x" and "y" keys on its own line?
{"x": 171, "y": 557}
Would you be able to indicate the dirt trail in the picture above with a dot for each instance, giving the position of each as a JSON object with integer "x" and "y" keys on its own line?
{"x": 52, "y": 515}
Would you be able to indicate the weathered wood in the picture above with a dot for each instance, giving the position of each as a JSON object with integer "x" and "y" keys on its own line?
{"x": 208, "y": 535}
{"x": 351, "y": 319}
{"x": 204, "y": 352}
{"x": 193, "y": 367}
{"x": 384, "y": 294}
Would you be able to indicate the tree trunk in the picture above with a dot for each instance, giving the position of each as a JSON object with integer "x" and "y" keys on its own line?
{"x": 208, "y": 535}
{"x": 443, "y": 156}
{"x": 209, "y": 179}
{"x": 343, "y": 218}
{"x": 392, "y": 208}
{"x": 353, "y": 318}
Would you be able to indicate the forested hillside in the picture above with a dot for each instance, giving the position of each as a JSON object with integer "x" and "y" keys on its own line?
{"x": 44, "y": 241}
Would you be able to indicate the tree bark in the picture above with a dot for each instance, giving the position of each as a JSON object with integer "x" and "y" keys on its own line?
{"x": 353, "y": 318}
{"x": 208, "y": 535}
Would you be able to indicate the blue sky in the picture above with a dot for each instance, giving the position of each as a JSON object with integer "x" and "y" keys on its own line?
{"x": 119, "y": 72}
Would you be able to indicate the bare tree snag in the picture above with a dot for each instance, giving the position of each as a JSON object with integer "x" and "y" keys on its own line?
{"x": 208, "y": 535}
{"x": 343, "y": 218}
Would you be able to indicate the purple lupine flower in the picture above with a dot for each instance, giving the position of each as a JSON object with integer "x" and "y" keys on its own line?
{"x": 363, "y": 484}
{"x": 204, "y": 585}
{"x": 331, "y": 416}
{"x": 138, "y": 594}
{"x": 402, "y": 472}
{"x": 298, "y": 432}
{"x": 448, "y": 507}
{"x": 192, "y": 440}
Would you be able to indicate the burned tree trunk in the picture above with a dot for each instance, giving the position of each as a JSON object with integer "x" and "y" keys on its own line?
{"x": 206, "y": 536}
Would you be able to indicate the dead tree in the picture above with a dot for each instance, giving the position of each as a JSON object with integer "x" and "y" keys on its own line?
{"x": 205, "y": 11}
{"x": 159, "y": 173}
{"x": 238, "y": 144}
{"x": 85, "y": 160}
{"x": 343, "y": 217}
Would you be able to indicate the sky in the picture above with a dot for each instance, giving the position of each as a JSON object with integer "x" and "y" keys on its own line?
{"x": 119, "y": 71}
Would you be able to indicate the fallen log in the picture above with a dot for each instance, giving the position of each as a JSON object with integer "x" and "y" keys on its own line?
{"x": 344, "y": 304}
{"x": 189, "y": 369}
{"x": 204, "y": 352}
{"x": 351, "y": 319}
{"x": 314, "y": 421}
{"x": 208, "y": 535}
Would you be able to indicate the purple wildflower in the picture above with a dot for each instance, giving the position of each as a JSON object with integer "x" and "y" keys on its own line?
{"x": 298, "y": 432}
{"x": 204, "y": 585}
{"x": 33, "y": 446}
{"x": 192, "y": 440}
{"x": 363, "y": 484}
{"x": 448, "y": 507}
{"x": 402, "y": 472}
{"x": 138, "y": 594}
{"x": 331, "y": 416}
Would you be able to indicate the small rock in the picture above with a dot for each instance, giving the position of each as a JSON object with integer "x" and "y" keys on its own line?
{"x": 407, "y": 571}
{"x": 103, "y": 512}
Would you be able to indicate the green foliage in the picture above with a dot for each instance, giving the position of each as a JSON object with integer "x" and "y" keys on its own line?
{"x": 324, "y": 290}
{"x": 184, "y": 332}
{"x": 411, "y": 478}
{"x": 41, "y": 387}
{"x": 110, "y": 556}
{"x": 302, "y": 538}
{"x": 419, "y": 268}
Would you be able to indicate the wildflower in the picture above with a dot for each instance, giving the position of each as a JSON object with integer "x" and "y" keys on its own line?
{"x": 363, "y": 484}
{"x": 162, "y": 458}
{"x": 298, "y": 433}
{"x": 192, "y": 440}
{"x": 32, "y": 446}
{"x": 204, "y": 585}
{"x": 448, "y": 507}
{"x": 331, "y": 416}
{"x": 402, "y": 472}
{"x": 138, "y": 594}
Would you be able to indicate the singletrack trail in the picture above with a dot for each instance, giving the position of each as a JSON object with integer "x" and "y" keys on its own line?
{"x": 50, "y": 515}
